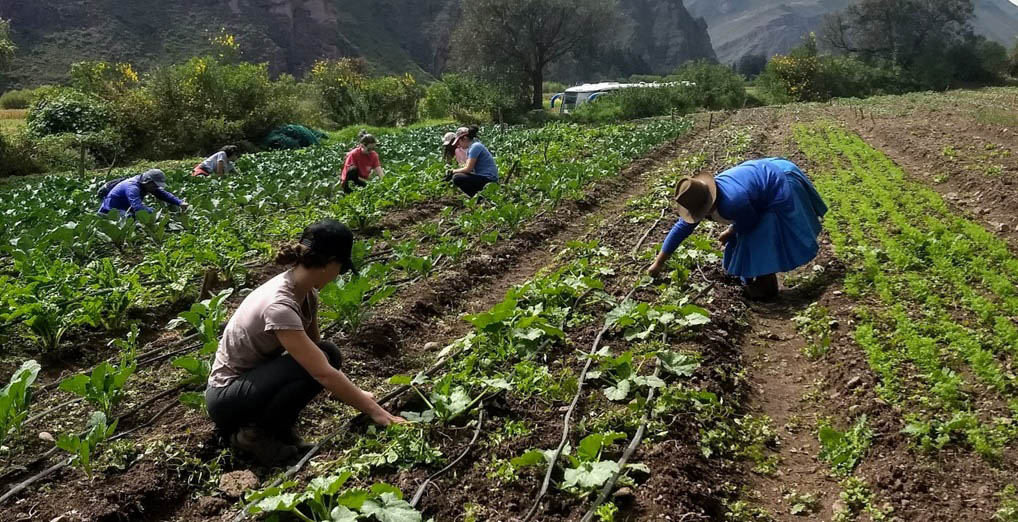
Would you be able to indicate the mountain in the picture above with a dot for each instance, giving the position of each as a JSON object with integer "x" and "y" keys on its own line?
{"x": 768, "y": 27}
{"x": 394, "y": 35}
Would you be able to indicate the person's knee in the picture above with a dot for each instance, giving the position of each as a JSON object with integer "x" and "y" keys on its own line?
{"x": 332, "y": 353}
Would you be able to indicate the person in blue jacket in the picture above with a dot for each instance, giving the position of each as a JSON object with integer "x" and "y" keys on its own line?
{"x": 128, "y": 195}
{"x": 773, "y": 212}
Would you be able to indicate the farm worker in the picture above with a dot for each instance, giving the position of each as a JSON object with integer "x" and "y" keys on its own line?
{"x": 271, "y": 361}
{"x": 450, "y": 151}
{"x": 361, "y": 162}
{"x": 480, "y": 168}
{"x": 221, "y": 162}
{"x": 773, "y": 212}
{"x": 127, "y": 195}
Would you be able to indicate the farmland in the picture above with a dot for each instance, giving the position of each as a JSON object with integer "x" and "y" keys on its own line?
{"x": 545, "y": 375}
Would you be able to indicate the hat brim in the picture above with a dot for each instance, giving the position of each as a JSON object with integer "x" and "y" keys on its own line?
{"x": 695, "y": 215}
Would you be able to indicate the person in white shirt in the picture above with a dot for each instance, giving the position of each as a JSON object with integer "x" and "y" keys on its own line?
{"x": 219, "y": 163}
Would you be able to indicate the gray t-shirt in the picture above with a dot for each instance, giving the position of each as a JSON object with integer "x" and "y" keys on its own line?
{"x": 212, "y": 161}
{"x": 250, "y": 337}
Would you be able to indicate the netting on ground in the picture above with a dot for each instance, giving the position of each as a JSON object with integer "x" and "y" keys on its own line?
{"x": 291, "y": 137}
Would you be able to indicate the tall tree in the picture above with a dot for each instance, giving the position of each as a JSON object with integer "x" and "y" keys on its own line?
{"x": 520, "y": 38}
{"x": 899, "y": 31}
{"x": 7, "y": 47}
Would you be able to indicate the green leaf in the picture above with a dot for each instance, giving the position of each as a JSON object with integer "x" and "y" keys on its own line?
{"x": 618, "y": 392}
{"x": 401, "y": 380}
{"x": 679, "y": 364}
{"x": 342, "y": 514}
{"x": 390, "y": 508}
{"x": 353, "y": 498}
{"x": 590, "y": 475}
{"x": 530, "y": 458}
{"x": 76, "y": 385}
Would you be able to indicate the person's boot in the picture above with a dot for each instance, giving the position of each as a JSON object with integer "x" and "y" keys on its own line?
{"x": 292, "y": 438}
{"x": 762, "y": 288}
{"x": 264, "y": 448}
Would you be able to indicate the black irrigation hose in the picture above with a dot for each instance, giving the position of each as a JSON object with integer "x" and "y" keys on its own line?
{"x": 242, "y": 514}
{"x": 18, "y": 488}
{"x": 568, "y": 417}
{"x": 630, "y": 450}
{"x": 424, "y": 486}
{"x": 639, "y": 243}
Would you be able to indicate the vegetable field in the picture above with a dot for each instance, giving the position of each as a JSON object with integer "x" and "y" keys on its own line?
{"x": 544, "y": 374}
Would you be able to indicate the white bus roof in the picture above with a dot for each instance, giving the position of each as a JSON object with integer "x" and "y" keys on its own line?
{"x": 611, "y": 86}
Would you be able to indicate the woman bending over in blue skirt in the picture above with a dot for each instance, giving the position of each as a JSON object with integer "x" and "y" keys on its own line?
{"x": 773, "y": 212}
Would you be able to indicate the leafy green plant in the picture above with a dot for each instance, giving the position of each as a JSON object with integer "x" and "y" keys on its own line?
{"x": 206, "y": 317}
{"x": 844, "y": 450}
{"x": 801, "y": 504}
{"x": 347, "y": 305}
{"x": 621, "y": 376}
{"x": 640, "y": 320}
{"x": 324, "y": 500}
{"x": 104, "y": 387}
{"x": 15, "y": 398}
{"x": 82, "y": 448}
{"x": 586, "y": 471}
{"x": 815, "y": 324}
{"x": 1008, "y": 510}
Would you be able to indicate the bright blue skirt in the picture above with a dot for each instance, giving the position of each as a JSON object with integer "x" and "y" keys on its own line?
{"x": 786, "y": 237}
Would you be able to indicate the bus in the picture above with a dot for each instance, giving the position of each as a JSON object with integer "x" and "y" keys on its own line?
{"x": 573, "y": 97}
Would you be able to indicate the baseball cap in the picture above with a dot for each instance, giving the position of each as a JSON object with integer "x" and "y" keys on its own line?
{"x": 332, "y": 239}
{"x": 449, "y": 138}
{"x": 154, "y": 176}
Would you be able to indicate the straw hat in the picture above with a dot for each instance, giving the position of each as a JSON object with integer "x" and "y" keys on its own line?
{"x": 696, "y": 196}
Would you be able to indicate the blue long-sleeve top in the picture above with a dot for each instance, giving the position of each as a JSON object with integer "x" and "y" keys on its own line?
{"x": 127, "y": 197}
{"x": 745, "y": 192}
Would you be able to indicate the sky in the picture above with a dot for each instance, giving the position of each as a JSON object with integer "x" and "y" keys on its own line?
{"x": 1015, "y": 2}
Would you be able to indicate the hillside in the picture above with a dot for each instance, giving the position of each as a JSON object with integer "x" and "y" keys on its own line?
{"x": 394, "y": 35}
{"x": 740, "y": 27}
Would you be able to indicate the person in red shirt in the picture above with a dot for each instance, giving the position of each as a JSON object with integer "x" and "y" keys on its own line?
{"x": 361, "y": 162}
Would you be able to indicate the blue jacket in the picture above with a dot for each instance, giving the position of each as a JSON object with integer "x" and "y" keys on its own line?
{"x": 127, "y": 197}
{"x": 745, "y": 193}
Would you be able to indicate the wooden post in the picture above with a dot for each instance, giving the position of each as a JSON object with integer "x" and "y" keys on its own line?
{"x": 81, "y": 161}
{"x": 710, "y": 124}
{"x": 208, "y": 284}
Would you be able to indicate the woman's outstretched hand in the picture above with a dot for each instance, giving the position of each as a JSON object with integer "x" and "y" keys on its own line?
{"x": 384, "y": 418}
{"x": 655, "y": 269}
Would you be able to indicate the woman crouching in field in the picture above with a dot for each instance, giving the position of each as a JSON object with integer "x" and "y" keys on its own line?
{"x": 773, "y": 212}
{"x": 480, "y": 167}
{"x": 219, "y": 163}
{"x": 272, "y": 361}
{"x": 361, "y": 162}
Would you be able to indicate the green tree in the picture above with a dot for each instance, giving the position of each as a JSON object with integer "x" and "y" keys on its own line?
{"x": 515, "y": 40}
{"x": 903, "y": 32}
{"x": 7, "y": 47}
{"x": 1013, "y": 65}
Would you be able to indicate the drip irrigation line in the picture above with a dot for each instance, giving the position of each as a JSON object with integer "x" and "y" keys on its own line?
{"x": 647, "y": 233}
{"x": 420, "y": 491}
{"x": 568, "y": 417}
{"x": 630, "y": 450}
{"x": 63, "y": 464}
{"x": 242, "y": 514}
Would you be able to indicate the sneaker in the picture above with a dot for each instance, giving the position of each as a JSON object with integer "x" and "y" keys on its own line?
{"x": 293, "y": 439}
{"x": 264, "y": 448}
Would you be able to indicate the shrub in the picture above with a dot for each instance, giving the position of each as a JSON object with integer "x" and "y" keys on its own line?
{"x": 340, "y": 82}
{"x": 1012, "y": 67}
{"x": 16, "y": 157}
{"x": 637, "y": 102}
{"x": 716, "y": 86}
{"x": 392, "y": 100}
{"x": 68, "y": 110}
{"x": 553, "y": 87}
{"x": 19, "y": 99}
{"x": 645, "y": 78}
{"x": 437, "y": 101}
{"x": 107, "y": 80}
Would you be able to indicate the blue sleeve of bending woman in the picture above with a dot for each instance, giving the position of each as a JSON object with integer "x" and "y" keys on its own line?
{"x": 679, "y": 233}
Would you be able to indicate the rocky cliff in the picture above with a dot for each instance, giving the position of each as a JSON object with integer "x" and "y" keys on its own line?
{"x": 395, "y": 35}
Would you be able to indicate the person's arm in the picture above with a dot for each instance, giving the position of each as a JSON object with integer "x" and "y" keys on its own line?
{"x": 310, "y": 357}
{"x": 678, "y": 234}
{"x": 134, "y": 198}
{"x": 220, "y": 167}
{"x": 379, "y": 172}
{"x": 467, "y": 168}
{"x": 168, "y": 197}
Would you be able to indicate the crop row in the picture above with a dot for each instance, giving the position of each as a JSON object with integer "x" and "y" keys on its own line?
{"x": 942, "y": 333}
{"x": 64, "y": 267}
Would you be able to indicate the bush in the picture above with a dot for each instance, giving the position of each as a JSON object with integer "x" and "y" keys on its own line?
{"x": 645, "y": 78}
{"x": 68, "y": 110}
{"x": 553, "y": 87}
{"x": 716, "y": 86}
{"x": 16, "y": 157}
{"x": 339, "y": 83}
{"x": 1012, "y": 68}
{"x": 437, "y": 101}
{"x": 20, "y": 99}
{"x": 392, "y": 100}
{"x": 633, "y": 103}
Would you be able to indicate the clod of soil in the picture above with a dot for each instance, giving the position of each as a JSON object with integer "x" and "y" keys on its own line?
{"x": 236, "y": 483}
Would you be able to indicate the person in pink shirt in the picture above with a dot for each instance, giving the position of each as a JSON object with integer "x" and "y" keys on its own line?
{"x": 361, "y": 162}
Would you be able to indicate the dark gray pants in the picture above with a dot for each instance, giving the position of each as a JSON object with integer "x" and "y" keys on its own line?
{"x": 471, "y": 184}
{"x": 270, "y": 396}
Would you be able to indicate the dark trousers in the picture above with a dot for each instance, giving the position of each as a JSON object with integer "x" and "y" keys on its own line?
{"x": 353, "y": 175}
{"x": 471, "y": 184}
{"x": 270, "y": 396}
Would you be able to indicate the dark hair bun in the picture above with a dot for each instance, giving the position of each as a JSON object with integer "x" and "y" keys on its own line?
{"x": 292, "y": 254}
{"x": 473, "y": 131}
